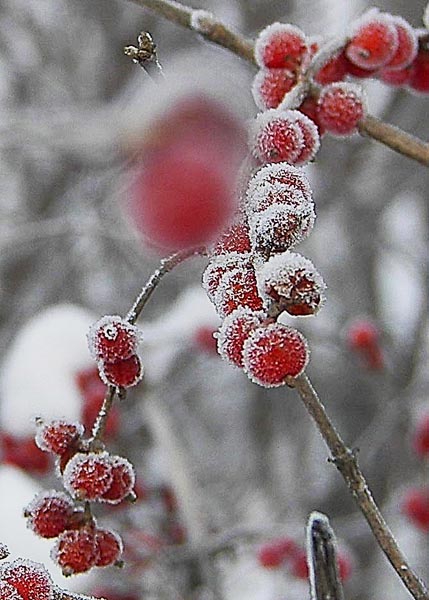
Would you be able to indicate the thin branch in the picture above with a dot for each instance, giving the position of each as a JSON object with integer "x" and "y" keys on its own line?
{"x": 346, "y": 462}
{"x": 214, "y": 31}
{"x": 167, "y": 265}
{"x": 101, "y": 420}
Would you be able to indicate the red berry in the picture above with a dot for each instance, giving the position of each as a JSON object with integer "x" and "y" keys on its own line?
{"x": 420, "y": 441}
{"x": 122, "y": 373}
{"x": 88, "y": 476}
{"x": 276, "y": 137}
{"x": 259, "y": 198}
{"x": 334, "y": 70}
{"x": 280, "y": 173}
{"x": 235, "y": 330}
{"x": 57, "y": 436}
{"x": 341, "y": 108}
{"x": 8, "y": 592}
{"x": 419, "y": 78}
{"x": 49, "y": 513}
{"x": 310, "y": 134}
{"x": 112, "y": 338}
{"x": 75, "y": 551}
{"x": 358, "y": 72}
{"x": 123, "y": 480}
{"x": 169, "y": 499}
{"x": 22, "y": 452}
{"x": 407, "y": 45}
{"x": 310, "y": 108}
{"x": 204, "y": 340}
{"x": 345, "y": 566}
{"x": 362, "y": 334}
{"x": 293, "y": 283}
{"x": 237, "y": 288}
{"x": 234, "y": 239}
{"x": 270, "y": 87}
{"x": 108, "y": 547}
{"x": 281, "y": 46}
{"x": 374, "y": 41}
{"x": 30, "y": 579}
{"x": 415, "y": 506}
{"x": 299, "y": 565}
{"x": 274, "y": 553}
{"x": 275, "y": 353}
{"x": 280, "y": 227}
{"x": 218, "y": 267}
{"x": 395, "y": 78}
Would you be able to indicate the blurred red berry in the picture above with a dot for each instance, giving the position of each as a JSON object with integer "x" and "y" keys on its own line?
{"x": 419, "y": 78}
{"x": 299, "y": 565}
{"x": 274, "y": 553}
{"x": 364, "y": 337}
{"x": 203, "y": 339}
{"x": 415, "y": 505}
{"x": 420, "y": 440}
{"x": 22, "y": 452}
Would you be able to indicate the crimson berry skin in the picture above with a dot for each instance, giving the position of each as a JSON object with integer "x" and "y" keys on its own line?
{"x": 275, "y": 353}
{"x": 75, "y": 551}
{"x": 420, "y": 440}
{"x": 122, "y": 373}
{"x": 203, "y": 339}
{"x": 30, "y": 579}
{"x": 275, "y": 137}
{"x": 374, "y": 41}
{"x": 237, "y": 288}
{"x": 123, "y": 480}
{"x": 108, "y": 547}
{"x": 281, "y": 46}
{"x": 270, "y": 87}
{"x": 341, "y": 106}
{"x": 88, "y": 476}
{"x": 8, "y": 592}
{"x": 274, "y": 553}
{"x": 112, "y": 338}
{"x": 217, "y": 268}
{"x": 419, "y": 78}
{"x": 234, "y": 240}
{"x": 415, "y": 506}
{"x": 57, "y": 436}
{"x": 235, "y": 330}
{"x": 334, "y": 70}
{"x": 49, "y": 513}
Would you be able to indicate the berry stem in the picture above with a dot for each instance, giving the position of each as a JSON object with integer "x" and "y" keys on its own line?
{"x": 167, "y": 264}
{"x": 216, "y": 32}
{"x": 63, "y": 595}
{"x": 101, "y": 420}
{"x": 346, "y": 462}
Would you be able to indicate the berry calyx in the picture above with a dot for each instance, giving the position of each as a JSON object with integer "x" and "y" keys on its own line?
{"x": 88, "y": 476}
{"x": 122, "y": 373}
{"x": 275, "y": 353}
{"x": 57, "y": 436}
{"x": 341, "y": 107}
{"x": 112, "y": 338}
{"x": 49, "y": 513}
{"x": 235, "y": 330}
{"x": 30, "y": 579}
{"x": 75, "y": 551}
{"x": 281, "y": 46}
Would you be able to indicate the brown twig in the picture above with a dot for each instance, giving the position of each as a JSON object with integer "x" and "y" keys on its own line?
{"x": 346, "y": 462}
{"x": 214, "y": 31}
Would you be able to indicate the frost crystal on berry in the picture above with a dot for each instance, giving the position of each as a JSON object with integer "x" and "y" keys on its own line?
{"x": 108, "y": 547}
{"x": 280, "y": 173}
{"x": 112, "y": 338}
{"x": 270, "y": 86}
{"x": 30, "y": 579}
{"x": 237, "y": 288}
{"x": 280, "y": 227}
{"x": 235, "y": 330}
{"x": 234, "y": 239}
{"x": 293, "y": 283}
{"x": 276, "y": 137}
{"x": 123, "y": 480}
{"x": 281, "y": 46}
{"x": 8, "y": 592}
{"x": 57, "y": 436}
{"x": 311, "y": 138}
{"x": 263, "y": 196}
{"x": 374, "y": 40}
{"x": 49, "y": 513}
{"x": 341, "y": 107}
{"x": 274, "y": 353}
{"x": 88, "y": 476}
{"x": 122, "y": 373}
{"x": 407, "y": 45}
{"x": 218, "y": 267}
{"x": 75, "y": 551}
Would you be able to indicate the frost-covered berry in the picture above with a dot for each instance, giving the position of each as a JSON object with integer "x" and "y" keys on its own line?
{"x": 281, "y": 46}
{"x": 30, "y": 579}
{"x": 408, "y": 44}
{"x": 123, "y": 480}
{"x": 275, "y": 353}
{"x": 415, "y": 505}
{"x": 234, "y": 240}
{"x": 374, "y": 41}
{"x": 280, "y": 173}
{"x": 108, "y": 547}
{"x": 280, "y": 227}
{"x": 273, "y": 554}
{"x": 335, "y": 69}
{"x": 293, "y": 283}
{"x": 237, "y": 288}
{"x": 218, "y": 267}
{"x": 259, "y": 198}
{"x": 235, "y": 330}
{"x": 49, "y": 513}
{"x": 122, "y": 373}
{"x": 310, "y": 108}
{"x": 4, "y": 551}
{"x": 8, "y": 592}
{"x": 88, "y": 476}
{"x": 419, "y": 78}
{"x": 57, "y": 436}
{"x": 341, "y": 107}
{"x": 395, "y": 78}
{"x": 112, "y": 338}
{"x": 270, "y": 86}
{"x": 75, "y": 551}
{"x": 276, "y": 137}
{"x": 420, "y": 440}
{"x": 311, "y": 138}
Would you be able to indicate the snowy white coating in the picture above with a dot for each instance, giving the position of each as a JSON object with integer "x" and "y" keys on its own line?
{"x": 266, "y": 84}
{"x": 202, "y": 21}
{"x": 267, "y": 194}
{"x": 311, "y": 138}
{"x": 112, "y": 328}
{"x": 295, "y": 97}
{"x": 109, "y": 371}
{"x": 8, "y": 592}
{"x": 113, "y": 535}
{"x": 280, "y": 173}
{"x": 353, "y": 91}
{"x": 292, "y": 277}
{"x": 274, "y": 136}
{"x": 426, "y": 16}
{"x": 235, "y": 329}
{"x": 123, "y": 480}
{"x": 237, "y": 288}
{"x": 218, "y": 266}
{"x": 92, "y": 470}
{"x": 281, "y": 227}
{"x": 275, "y": 30}
{"x": 40, "y": 437}
{"x": 39, "y": 583}
{"x": 384, "y": 20}
{"x": 46, "y": 497}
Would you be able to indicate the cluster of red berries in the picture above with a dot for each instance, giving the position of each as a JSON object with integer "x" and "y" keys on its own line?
{"x": 415, "y": 504}
{"x": 363, "y": 337}
{"x": 286, "y": 552}
{"x": 87, "y": 476}
{"x": 113, "y": 342}
{"x": 252, "y": 277}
